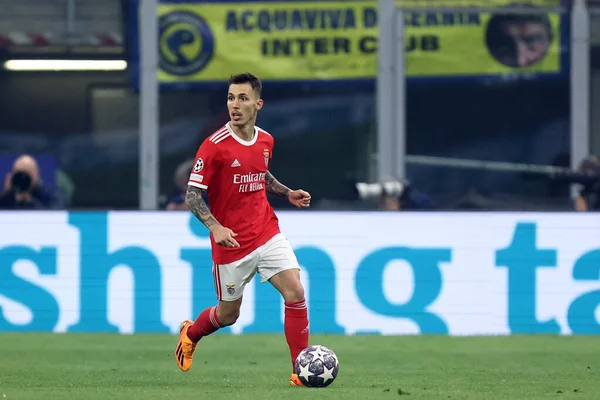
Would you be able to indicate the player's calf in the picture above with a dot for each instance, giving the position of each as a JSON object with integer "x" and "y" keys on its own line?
{"x": 191, "y": 332}
{"x": 296, "y": 328}
{"x": 296, "y": 325}
{"x": 228, "y": 312}
{"x": 208, "y": 322}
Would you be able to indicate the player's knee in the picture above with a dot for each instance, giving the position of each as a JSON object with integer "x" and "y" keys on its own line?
{"x": 228, "y": 315}
{"x": 294, "y": 294}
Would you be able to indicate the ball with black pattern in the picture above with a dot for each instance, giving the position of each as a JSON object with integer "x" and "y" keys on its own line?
{"x": 317, "y": 366}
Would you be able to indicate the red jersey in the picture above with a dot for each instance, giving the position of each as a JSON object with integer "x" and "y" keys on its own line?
{"x": 233, "y": 171}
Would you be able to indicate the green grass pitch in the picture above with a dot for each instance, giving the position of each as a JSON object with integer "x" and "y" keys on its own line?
{"x": 257, "y": 367}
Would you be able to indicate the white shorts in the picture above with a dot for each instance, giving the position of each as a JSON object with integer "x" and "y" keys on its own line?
{"x": 268, "y": 260}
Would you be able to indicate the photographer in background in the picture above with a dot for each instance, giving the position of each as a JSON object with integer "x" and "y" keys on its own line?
{"x": 394, "y": 195}
{"x": 23, "y": 189}
{"x": 588, "y": 176}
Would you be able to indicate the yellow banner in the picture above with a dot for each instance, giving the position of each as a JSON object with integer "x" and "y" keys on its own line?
{"x": 331, "y": 40}
{"x": 478, "y": 3}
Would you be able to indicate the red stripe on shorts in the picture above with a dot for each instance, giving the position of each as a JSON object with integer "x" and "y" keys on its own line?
{"x": 217, "y": 278}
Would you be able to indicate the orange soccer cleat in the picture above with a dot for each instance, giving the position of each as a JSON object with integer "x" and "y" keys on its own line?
{"x": 295, "y": 381}
{"x": 184, "y": 352}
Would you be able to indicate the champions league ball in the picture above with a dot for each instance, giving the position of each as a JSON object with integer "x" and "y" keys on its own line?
{"x": 317, "y": 366}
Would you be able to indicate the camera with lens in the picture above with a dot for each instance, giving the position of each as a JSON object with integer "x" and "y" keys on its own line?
{"x": 402, "y": 191}
{"x": 391, "y": 188}
{"x": 21, "y": 182}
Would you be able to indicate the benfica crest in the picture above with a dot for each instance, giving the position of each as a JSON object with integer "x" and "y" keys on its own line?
{"x": 230, "y": 288}
{"x": 266, "y": 154}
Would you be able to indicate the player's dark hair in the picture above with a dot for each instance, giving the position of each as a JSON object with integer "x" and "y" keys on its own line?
{"x": 249, "y": 78}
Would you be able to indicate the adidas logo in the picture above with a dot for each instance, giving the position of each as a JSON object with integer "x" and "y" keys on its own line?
{"x": 236, "y": 163}
{"x": 305, "y": 330}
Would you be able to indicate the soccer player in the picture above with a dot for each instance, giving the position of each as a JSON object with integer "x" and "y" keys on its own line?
{"x": 232, "y": 166}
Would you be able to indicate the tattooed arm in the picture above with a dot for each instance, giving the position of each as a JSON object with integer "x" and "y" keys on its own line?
{"x": 222, "y": 236}
{"x": 273, "y": 186}
{"x": 298, "y": 198}
{"x": 198, "y": 207}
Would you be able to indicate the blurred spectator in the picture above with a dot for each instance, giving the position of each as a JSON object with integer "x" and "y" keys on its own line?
{"x": 23, "y": 188}
{"x": 182, "y": 174}
{"x": 410, "y": 200}
{"x": 588, "y": 198}
{"x": 390, "y": 203}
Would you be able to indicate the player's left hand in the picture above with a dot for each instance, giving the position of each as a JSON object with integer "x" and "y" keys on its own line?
{"x": 299, "y": 198}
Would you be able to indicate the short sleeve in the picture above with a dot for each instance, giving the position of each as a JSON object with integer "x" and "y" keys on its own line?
{"x": 271, "y": 145}
{"x": 205, "y": 166}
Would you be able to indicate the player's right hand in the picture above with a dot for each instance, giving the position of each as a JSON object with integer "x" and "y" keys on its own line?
{"x": 225, "y": 237}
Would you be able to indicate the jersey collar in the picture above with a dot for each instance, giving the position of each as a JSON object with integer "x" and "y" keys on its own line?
{"x": 239, "y": 139}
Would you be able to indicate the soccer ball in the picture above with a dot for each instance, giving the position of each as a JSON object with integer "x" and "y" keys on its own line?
{"x": 317, "y": 366}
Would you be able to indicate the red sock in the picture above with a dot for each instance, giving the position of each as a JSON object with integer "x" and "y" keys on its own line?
{"x": 296, "y": 328}
{"x": 206, "y": 323}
